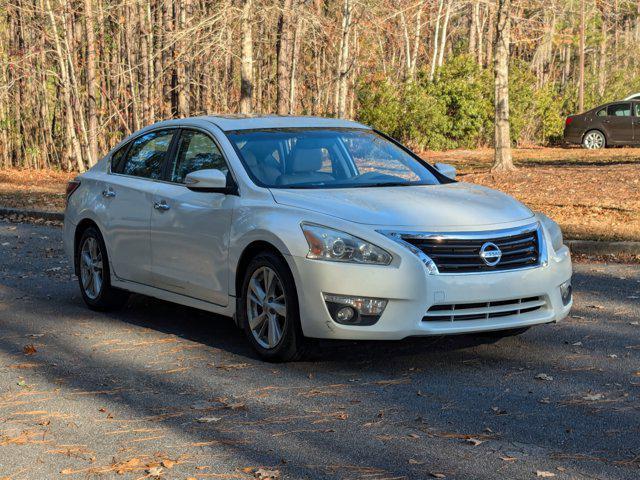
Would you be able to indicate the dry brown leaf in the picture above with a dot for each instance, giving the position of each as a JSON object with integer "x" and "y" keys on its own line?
{"x": 265, "y": 474}
{"x": 474, "y": 441}
{"x": 542, "y": 473}
{"x": 29, "y": 349}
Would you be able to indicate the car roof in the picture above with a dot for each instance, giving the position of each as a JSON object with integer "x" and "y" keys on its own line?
{"x": 635, "y": 96}
{"x": 253, "y": 122}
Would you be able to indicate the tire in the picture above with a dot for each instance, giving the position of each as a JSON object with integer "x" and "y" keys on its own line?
{"x": 97, "y": 294}
{"x": 498, "y": 334}
{"x": 593, "y": 140}
{"x": 276, "y": 337}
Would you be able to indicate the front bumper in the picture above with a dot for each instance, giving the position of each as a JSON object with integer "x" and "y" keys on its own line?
{"x": 411, "y": 291}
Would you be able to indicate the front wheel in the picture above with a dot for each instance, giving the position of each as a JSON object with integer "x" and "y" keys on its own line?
{"x": 268, "y": 309}
{"x": 594, "y": 140}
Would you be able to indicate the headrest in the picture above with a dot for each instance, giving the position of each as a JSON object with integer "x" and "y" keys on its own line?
{"x": 306, "y": 159}
{"x": 249, "y": 158}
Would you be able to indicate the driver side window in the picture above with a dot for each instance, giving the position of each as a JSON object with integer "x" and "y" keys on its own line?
{"x": 196, "y": 151}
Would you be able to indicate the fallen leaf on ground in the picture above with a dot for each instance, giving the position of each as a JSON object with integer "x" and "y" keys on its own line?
{"x": 155, "y": 471}
{"x": 542, "y": 473}
{"x": 474, "y": 441}
{"x": 413, "y": 461}
{"x": 438, "y": 475}
{"x": 29, "y": 349}
{"x": 544, "y": 376}
{"x": 593, "y": 397}
{"x": 209, "y": 419}
{"x": 264, "y": 474}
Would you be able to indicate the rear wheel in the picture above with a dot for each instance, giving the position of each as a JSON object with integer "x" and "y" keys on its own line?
{"x": 593, "y": 140}
{"x": 268, "y": 309}
{"x": 93, "y": 273}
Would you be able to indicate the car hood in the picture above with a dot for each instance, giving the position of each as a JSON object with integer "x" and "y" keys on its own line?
{"x": 450, "y": 205}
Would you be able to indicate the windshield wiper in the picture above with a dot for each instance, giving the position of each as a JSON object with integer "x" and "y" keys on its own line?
{"x": 389, "y": 184}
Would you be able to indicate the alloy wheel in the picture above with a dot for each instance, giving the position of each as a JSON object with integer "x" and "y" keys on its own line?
{"x": 91, "y": 271}
{"x": 594, "y": 140}
{"x": 266, "y": 307}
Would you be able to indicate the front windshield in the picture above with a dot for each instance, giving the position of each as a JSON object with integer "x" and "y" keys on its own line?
{"x": 327, "y": 158}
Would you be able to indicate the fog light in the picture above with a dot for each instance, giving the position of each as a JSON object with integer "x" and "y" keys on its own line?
{"x": 354, "y": 310}
{"x": 566, "y": 292}
{"x": 345, "y": 314}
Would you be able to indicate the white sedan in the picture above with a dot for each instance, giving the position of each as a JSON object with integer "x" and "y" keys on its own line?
{"x": 303, "y": 227}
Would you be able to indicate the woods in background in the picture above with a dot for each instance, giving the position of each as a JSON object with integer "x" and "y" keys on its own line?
{"x": 78, "y": 75}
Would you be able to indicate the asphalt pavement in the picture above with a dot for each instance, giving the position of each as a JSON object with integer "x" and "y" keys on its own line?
{"x": 162, "y": 391}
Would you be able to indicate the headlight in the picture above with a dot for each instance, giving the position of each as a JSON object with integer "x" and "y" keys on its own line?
{"x": 553, "y": 229}
{"x": 336, "y": 246}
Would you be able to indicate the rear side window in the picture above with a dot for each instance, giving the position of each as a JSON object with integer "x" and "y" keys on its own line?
{"x": 619, "y": 110}
{"x": 146, "y": 155}
{"x": 116, "y": 159}
{"x": 196, "y": 151}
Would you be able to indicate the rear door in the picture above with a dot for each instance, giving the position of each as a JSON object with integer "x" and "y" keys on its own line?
{"x": 128, "y": 202}
{"x": 190, "y": 230}
{"x": 618, "y": 123}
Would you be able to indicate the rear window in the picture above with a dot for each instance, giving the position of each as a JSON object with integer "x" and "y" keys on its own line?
{"x": 146, "y": 156}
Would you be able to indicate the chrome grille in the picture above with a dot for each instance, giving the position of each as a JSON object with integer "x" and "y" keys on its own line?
{"x": 462, "y": 255}
{"x": 454, "y": 312}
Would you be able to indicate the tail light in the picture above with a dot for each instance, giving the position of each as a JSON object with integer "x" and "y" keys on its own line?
{"x": 72, "y": 186}
{"x": 568, "y": 121}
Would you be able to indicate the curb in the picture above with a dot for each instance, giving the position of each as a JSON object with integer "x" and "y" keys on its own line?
{"x": 595, "y": 247}
{"x": 35, "y": 214}
{"x": 583, "y": 247}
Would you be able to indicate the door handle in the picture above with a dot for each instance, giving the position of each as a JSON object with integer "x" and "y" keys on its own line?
{"x": 606, "y": 121}
{"x": 108, "y": 193}
{"x": 161, "y": 205}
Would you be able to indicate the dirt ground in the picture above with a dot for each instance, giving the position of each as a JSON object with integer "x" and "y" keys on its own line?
{"x": 592, "y": 194}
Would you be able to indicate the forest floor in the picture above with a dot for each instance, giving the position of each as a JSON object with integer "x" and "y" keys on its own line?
{"x": 592, "y": 194}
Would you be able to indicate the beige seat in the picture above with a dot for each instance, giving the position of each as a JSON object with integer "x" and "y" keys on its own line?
{"x": 306, "y": 161}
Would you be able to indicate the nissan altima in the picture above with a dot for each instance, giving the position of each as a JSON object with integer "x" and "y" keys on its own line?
{"x": 302, "y": 227}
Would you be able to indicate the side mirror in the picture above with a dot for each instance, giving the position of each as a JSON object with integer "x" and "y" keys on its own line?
{"x": 447, "y": 170}
{"x": 210, "y": 180}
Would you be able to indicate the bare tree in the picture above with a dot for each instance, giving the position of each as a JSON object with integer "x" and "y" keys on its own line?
{"x": 285, "y": 57}
{"x": 246, "y": 70}
{"x": 502, "y": 138}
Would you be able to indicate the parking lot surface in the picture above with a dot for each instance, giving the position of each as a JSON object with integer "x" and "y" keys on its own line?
{"x": 162, "y": 391}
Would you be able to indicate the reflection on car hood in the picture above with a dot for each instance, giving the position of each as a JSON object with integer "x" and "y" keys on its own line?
{"x": 450, "y": 205}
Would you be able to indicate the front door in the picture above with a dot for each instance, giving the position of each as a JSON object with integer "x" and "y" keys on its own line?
{"x": 190, "y": 230}
{"x": 127, "y": 201}
{"x": 618, "y": 123}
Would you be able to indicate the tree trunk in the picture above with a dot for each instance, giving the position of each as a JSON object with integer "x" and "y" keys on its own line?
{"x": 434, "y": 57}
{"x": 294, "y": 64}
{"x": 72, "y": 138}
{"x": 246, "y": 70}
{"x": 285, "y": 58}
{"x": 92, "y": 83}
{"x": 445, "y": 26}
{"x": 581, "y": 74}
{"x": 502, "y": 159}
{"x": 343, "y": 64}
